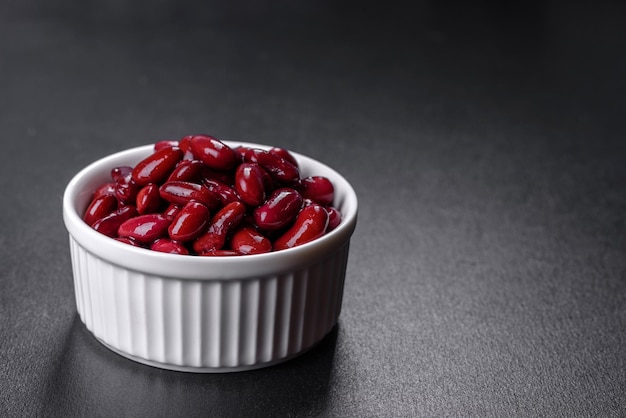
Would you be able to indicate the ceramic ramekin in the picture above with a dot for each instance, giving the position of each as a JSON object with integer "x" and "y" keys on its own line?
{"x": 206, "y": 314}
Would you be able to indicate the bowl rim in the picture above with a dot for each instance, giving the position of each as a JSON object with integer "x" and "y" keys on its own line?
{"x": 197, "y": 267}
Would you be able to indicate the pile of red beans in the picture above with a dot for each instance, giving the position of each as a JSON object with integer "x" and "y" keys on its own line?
{"x": 198, "y": 196}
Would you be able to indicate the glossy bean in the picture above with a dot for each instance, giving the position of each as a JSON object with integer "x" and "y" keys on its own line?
{"x": 280, "y": 169}
{"x": 144, "y": 228}
{"x": 148, "y": 199}
{"x": 222, "y": 223}
{"x": 251, "y": 158}
{"x": 187, "y": 170}
{"x": 220, "y": 253}
{"x": 317, "y": 188}
{"x": 250, "y": 155}
{"x": 100, "y": 207}
{"x": 105, "y": 189}
{"x": 166, "y": 245}
{"x": 128, "y": 241}
{"x": 280, "y": 209}
{"x": 213, "y": 152}
{"x": 226, "y": 177}
{"x": 121, "y": 171}
{"x": 284, "y": 154}
{"x": 185, "y": 143}
{"x": 268, "y": 181}
{"x": 249, "y": 184}
{"x": 225, "y": 193}
{"x": 310, "y": 224}
{"x": 111, "y": 223}
{"x": 181, "y": 192}
{"x": 165, "y": 143}
{"x": 156, "y": 167}
{"x": 126, "y": 189}
{"x": 190, "y": 222}
{"x": 247, "y": 240}
{"x": 334, "y": 218}
{"x": 172, "y": 210}
{"x": 240, "y": 152}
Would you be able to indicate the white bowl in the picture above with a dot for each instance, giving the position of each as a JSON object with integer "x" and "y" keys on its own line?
{"x": 206, "y": 314}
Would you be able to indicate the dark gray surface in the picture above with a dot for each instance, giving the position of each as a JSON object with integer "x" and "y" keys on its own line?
{"x": 487, "y": 275}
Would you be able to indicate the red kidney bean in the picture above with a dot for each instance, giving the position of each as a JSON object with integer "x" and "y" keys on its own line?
{"x": 172, "y": 210}
{"x": 128, "y": 241}
{"x": 185, "y": 143}
{"x": 334, "y": 218}
{"x": 144, "y": 228}
{"x": 181, "y": 192}
{"x": 249, "y": 183}
{"x": 268, "y": 181}
{"x": 165, "y": 245}
{"x": 222, "y": 223}
{"x": 250, "y": 155}
{"x": 280, "y": 169}
{"x": 187, "y": 170}
{"x": 190, "y": 222}
{"x": 284, "y": 154}
{"x": 105, "y": 189}
{"x": 111, "y": 223}
{"x": 317, "y": 188}
{"x": 121, "y": 171}
{"x": 247, "y": 240}
{"x": 225, "y": 193}
{"x": 280, "y": 209}
{"x": 240, "y": 152}
{"x": 156, "y": 167}
{"x": 310, "y": 224}
{"x": 126, "y": 189}
{"x": 149, "y": 199}
{"x": 165, "y": 143}
{"x": 225, "y": 177}
{"x": 220, "y": 253}
{"x": 213, "y": 152}
{"x": 99, "y": 208}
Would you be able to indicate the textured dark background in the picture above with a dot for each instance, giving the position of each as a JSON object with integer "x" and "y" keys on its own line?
{"x": 486, "y": 142}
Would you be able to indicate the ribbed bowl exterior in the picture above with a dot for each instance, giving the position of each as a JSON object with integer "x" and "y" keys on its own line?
{"x": 208, "y": 326}
{"x": 206, "y": 314}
